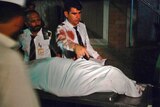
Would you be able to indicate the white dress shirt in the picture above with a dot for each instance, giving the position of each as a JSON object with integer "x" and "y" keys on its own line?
{"x": 41, "y": 44}
{"x": 66, "y": 26}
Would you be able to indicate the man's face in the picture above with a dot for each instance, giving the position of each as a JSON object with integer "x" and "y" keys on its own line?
{"x": 73, "y": 16}
{"x": 16, "y": 24}
{"x": 13, "y": 26}
{"x": 34, "y": 22}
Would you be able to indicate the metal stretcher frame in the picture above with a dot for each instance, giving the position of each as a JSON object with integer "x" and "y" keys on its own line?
{"x": 99, "y": 99}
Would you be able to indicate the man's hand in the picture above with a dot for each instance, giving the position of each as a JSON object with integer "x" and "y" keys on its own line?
{"x": 81, "y": 51}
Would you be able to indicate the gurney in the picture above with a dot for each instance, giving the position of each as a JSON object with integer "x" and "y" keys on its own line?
{"x": 99, "y": 99}
{"x": 82, "y": 82}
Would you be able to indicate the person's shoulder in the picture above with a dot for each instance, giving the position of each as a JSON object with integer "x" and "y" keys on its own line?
{"x": 25, "y": 31}
{"x": 24, "y": 34}
{"x": 9, "y": 54}
{"x": 62, "y": 24}
{"x": 82, "y": 24}
{"x": 46, "y": 33}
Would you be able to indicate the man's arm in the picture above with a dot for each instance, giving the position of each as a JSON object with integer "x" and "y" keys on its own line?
{"x": 90, "y": 49}
{"x": 77, "y": 50}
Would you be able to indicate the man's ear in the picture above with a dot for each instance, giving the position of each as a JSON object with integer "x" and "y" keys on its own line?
{"x": 66, "y": 14}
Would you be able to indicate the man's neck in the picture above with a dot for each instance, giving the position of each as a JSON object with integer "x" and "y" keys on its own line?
{"x": 34, "y": 33}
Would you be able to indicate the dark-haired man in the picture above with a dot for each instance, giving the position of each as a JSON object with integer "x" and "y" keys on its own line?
{"x": 72, "y": 34}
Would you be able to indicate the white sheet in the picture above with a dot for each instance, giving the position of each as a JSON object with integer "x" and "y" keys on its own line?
{"x": 64, "y": 77}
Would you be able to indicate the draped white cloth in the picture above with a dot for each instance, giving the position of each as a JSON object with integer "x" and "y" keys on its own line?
{"x": 65, "y": 77}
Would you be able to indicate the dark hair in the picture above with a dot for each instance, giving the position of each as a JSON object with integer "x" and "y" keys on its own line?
{"x": 68, "y": 4}
{"x": 9, "y": 10}
{"x": 30, "y": 6}
{"x": 30, "y": 3}
{"x": 30, "y": 12}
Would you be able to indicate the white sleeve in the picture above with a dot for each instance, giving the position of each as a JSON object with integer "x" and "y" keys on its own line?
{"x": 90, "y": 49}
{"x": 63, "y": 44}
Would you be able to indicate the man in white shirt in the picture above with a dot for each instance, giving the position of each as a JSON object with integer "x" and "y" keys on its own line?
{"x": 72, "y": 34}
{"x": 37, "y": 37}
{"x": 15, "y": 87}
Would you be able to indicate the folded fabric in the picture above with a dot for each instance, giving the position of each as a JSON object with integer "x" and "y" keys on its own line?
{"x": 65, "y": 77}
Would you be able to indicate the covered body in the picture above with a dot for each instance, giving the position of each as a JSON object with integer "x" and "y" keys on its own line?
{"x": 65, "y": 77}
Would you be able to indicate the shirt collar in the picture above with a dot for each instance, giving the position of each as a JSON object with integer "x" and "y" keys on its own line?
{"x": 69, "y": 24}
{"x": 40, "y": 32}
{"x": 8, "y": 42}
